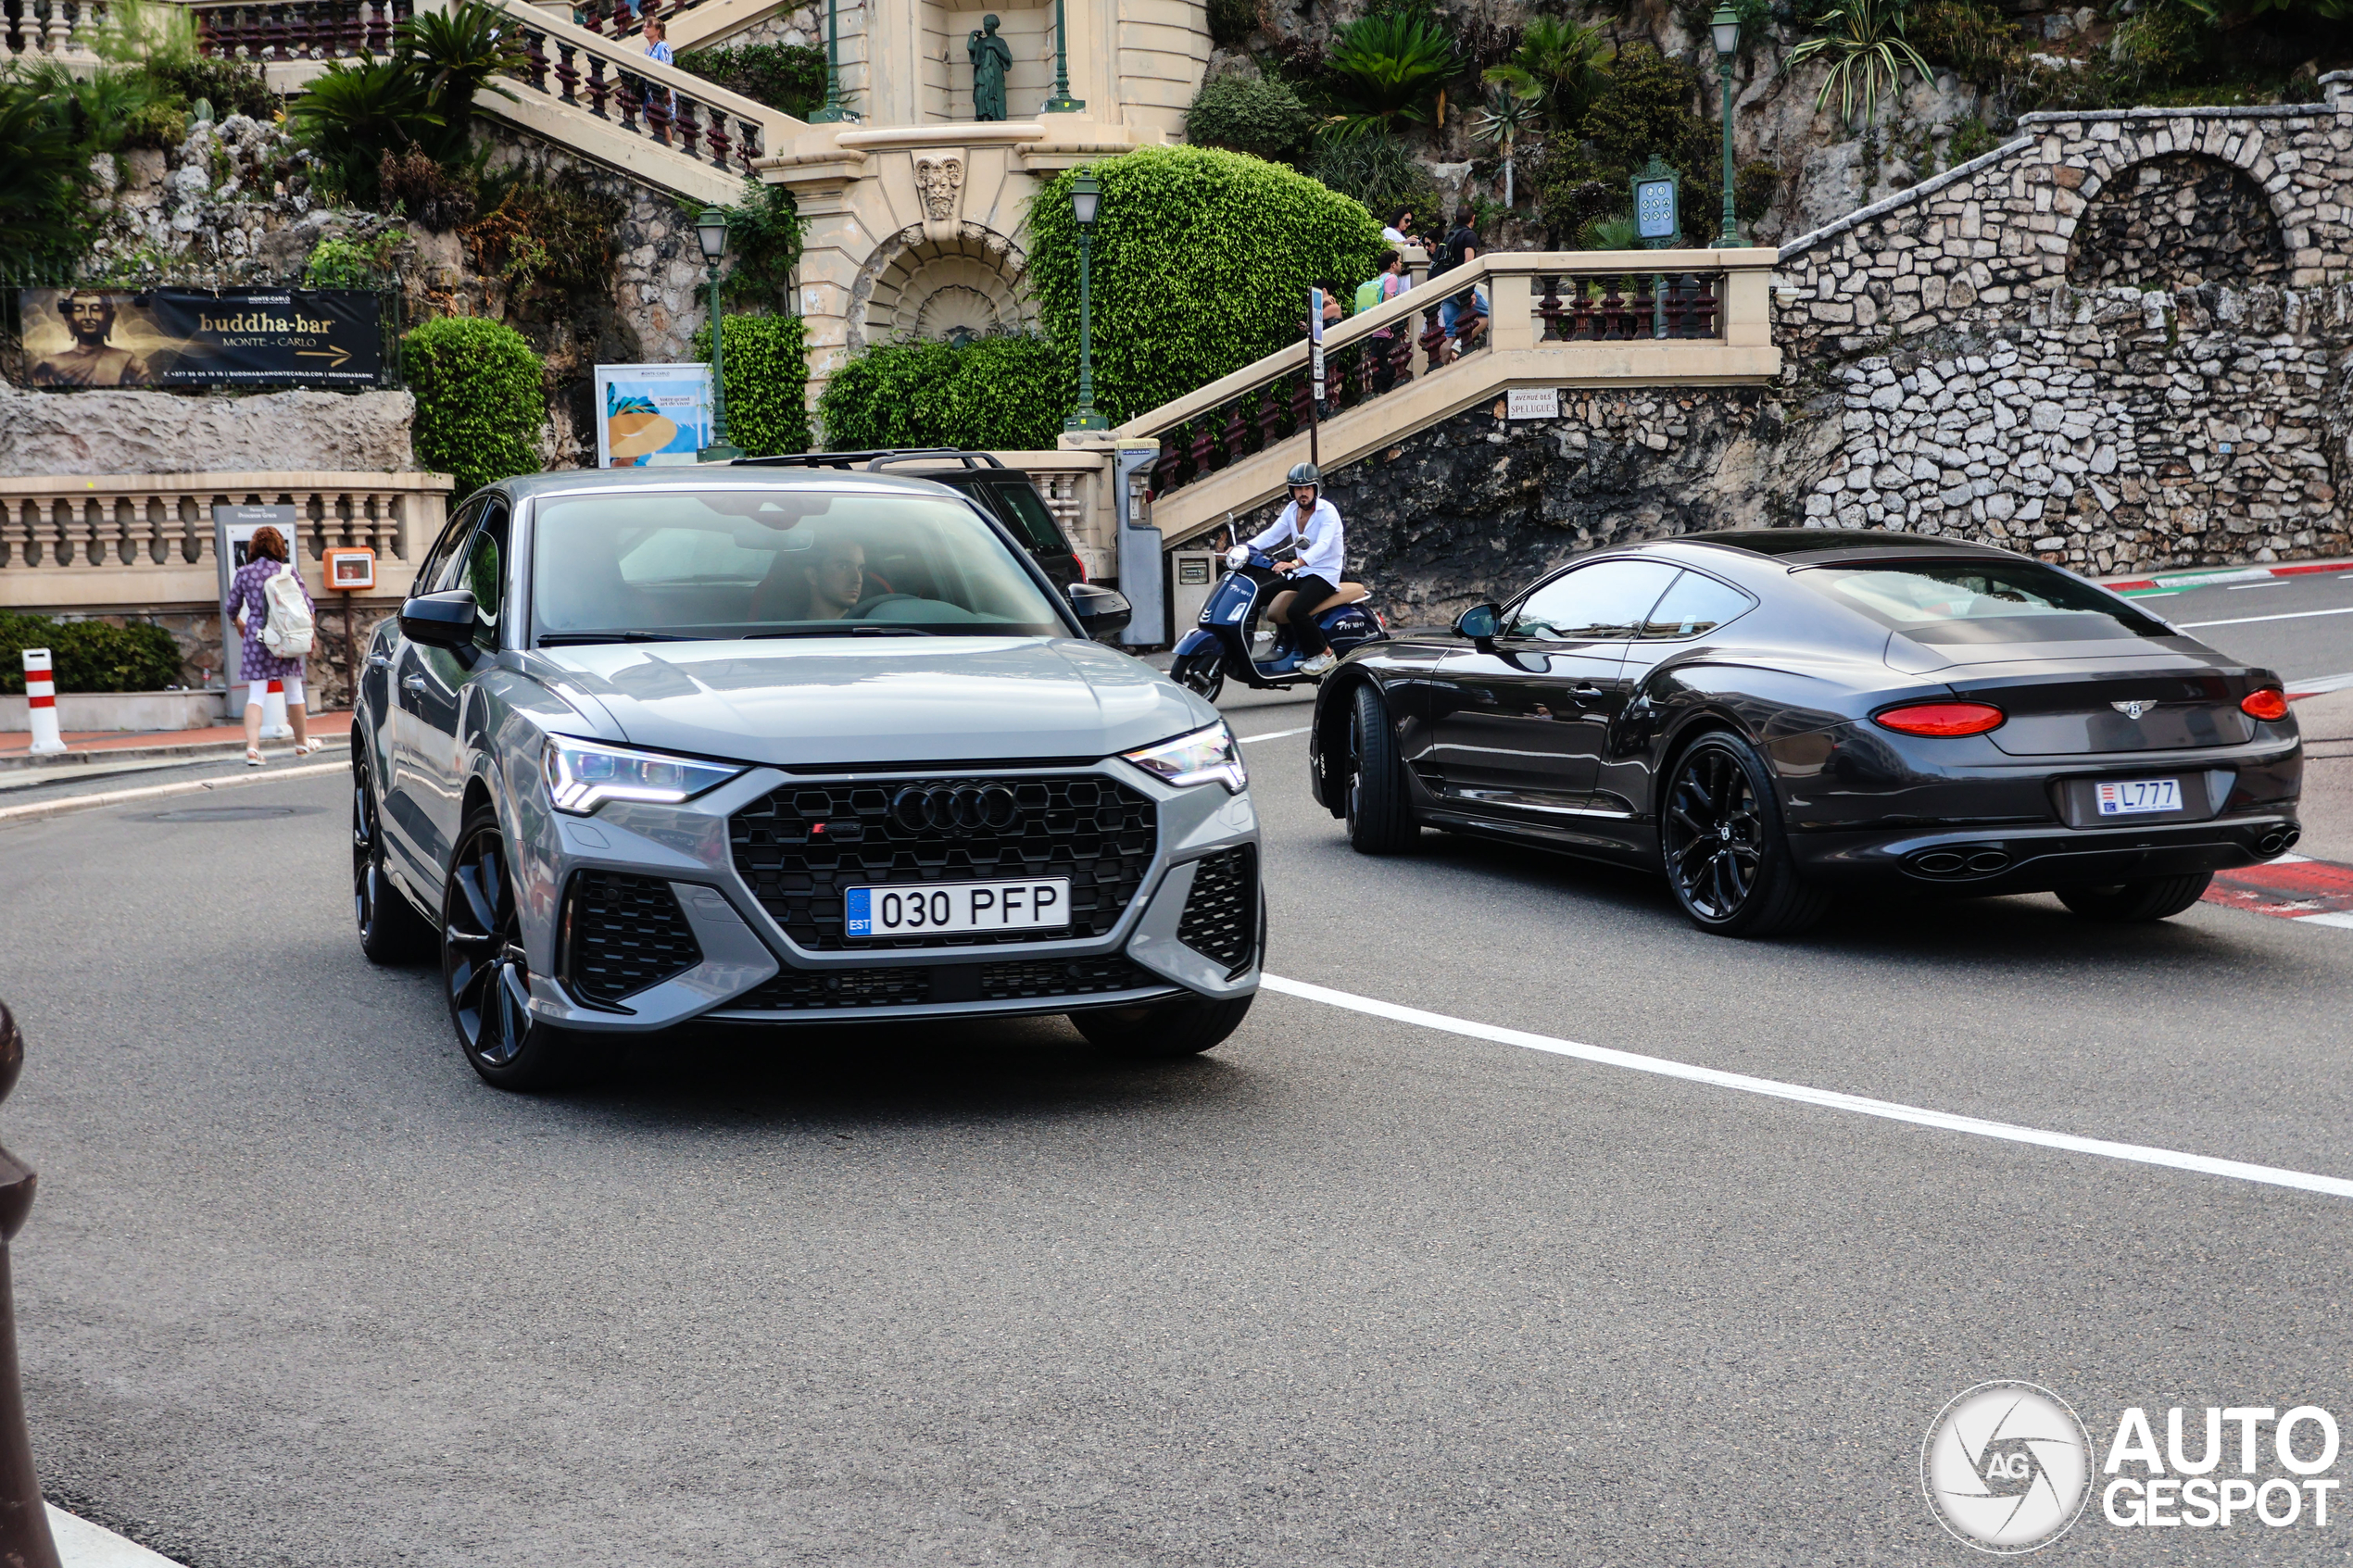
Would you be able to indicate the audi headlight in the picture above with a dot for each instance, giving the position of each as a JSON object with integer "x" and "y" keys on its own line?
{"x": 1199, "y": 758}
{"x": 583, "y": 775}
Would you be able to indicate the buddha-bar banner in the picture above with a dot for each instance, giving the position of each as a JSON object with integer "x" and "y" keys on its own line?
{"x": 171, "y": 337}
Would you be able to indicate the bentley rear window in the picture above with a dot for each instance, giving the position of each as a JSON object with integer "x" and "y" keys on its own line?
{"x": 1982, "y": 602}
{"x": 664, "y": 564}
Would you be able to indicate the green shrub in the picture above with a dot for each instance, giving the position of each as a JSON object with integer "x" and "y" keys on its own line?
{"x": 1231, "y": 21}
{"x": 1007, "y": 393}
{"x": 337, "y": 262}
{"x": 790, "y": 77}
{"x": 1260, "y": 115}
{"x": 1645, "y": 108}
{"x": 479, "y": 400}
{"x": 45, "y": 221}
{"x": 767, "y": 381}
{"x": 763, "y": 246}
{"x": 1978, "y": 41}
{"x": 1752, "y": 190}
{"x": 1202, "y": 259}
{"x": 1388, "y": 66}
{"x": 90, "y": 656}
{"x": 1379, "y": 173}
{"x": 230, "y": 86}
{"x": 539, "y": 234}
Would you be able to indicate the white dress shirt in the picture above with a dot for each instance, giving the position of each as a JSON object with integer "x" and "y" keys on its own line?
{"x": 1321, "y": 550}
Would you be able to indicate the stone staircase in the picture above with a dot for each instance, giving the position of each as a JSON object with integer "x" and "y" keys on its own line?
{"x": 1557, "y": 322}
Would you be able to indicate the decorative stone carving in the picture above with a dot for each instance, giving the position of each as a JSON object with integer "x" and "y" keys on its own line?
{"x": 939, "y": 177}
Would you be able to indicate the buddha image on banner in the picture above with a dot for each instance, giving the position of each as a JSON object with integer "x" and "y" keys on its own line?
{"x": 651, "y": 416}
{"x": 174, "y": 337}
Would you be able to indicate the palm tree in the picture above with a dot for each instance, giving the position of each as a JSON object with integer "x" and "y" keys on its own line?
{"x": 1868, "y": 51}
{"x": 1563, "y": 62}
{"x": 1388, "y": 67}
{"x": 1509, "y": 117}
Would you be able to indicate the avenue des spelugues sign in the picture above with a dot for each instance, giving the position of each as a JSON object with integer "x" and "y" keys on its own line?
{"x": 169, "y": 337}
{"x": 2009, "y": 1468}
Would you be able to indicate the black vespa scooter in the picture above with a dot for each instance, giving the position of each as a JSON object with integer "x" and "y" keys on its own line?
{"x": 1237, "y": 635}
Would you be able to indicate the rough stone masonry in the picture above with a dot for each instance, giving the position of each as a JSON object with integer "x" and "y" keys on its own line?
{"x": 2122, "y": 341}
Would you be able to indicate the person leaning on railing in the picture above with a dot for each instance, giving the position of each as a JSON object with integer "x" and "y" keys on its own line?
{"x": 1463, "y": 318}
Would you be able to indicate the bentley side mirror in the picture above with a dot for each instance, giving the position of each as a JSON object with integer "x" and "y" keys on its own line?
{"x": 1102, "y": 611}
{"x": 1481, "y": 623}
{"x": 439, "y": 621}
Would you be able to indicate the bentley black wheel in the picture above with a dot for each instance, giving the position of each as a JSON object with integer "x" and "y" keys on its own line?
{"x": 1726, "y": 855}
{"x": 1380, "y": 818}
{"x": 487, "y": 973}
{"x": 1204, "y": 674}
{"x": 391, "y": 931}
{"x": 2156, "y": 897}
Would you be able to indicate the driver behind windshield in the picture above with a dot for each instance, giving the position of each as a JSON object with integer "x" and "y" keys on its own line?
{"x": 837, "y": 579}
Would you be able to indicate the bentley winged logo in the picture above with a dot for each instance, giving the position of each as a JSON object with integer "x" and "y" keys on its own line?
{"x": 2132, "y": 710}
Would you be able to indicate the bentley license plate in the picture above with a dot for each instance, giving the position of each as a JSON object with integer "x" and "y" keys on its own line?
{"x": 2129, "y": 798}
{"x": 953, "y": 909}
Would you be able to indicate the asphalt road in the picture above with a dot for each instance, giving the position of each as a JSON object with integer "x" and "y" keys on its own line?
{"x": 298, "y": 1290}
{"x": 2301, "y": 626}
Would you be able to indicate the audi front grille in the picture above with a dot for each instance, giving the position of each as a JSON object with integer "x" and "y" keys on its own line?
{"x": 800, "y": 847}
{"x": 624, "y": 933}
{"x": 797, "y": 990}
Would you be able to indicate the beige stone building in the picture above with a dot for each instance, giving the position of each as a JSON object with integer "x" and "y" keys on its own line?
{"x": 916, "y": 211}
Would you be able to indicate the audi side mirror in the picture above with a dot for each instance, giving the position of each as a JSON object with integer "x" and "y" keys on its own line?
{"x": 439, "y": 621}
{"x": 1102, "y": 611}
{"x": 1481, "y": 623}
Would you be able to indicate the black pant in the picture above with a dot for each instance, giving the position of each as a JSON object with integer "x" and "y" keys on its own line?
{"x": 1306, "y": 635}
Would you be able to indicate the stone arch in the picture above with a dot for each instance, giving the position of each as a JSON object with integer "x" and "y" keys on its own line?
{"x": 2176, "y": 220}
{"x": 922, "y": 283}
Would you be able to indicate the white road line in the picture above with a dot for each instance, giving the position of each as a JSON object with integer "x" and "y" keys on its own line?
{"x": 2251, "y": 620}
{"x": 2342, "y": 919}
{"x": 65, "y": 803}
{"x": 1278, "y": 735}
{"x": 2317, "y": 685}
{"x": 2270, "y": 1175}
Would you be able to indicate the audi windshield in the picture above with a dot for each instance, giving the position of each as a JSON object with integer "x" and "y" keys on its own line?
{"x": 632, "y": 565}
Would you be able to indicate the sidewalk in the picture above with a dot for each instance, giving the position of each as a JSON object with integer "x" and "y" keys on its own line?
{"x": 108, "y": 750}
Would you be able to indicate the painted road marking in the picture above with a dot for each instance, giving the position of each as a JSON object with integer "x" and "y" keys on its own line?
{"x": 2291, "y": 887}
{"x": 2139, "y": 1154}
{"x": 2251, "y": 620}
{"x": 64, "y": 803}
{"x": 1278, "y": 735}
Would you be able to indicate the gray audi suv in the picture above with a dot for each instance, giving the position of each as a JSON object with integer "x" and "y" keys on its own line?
{"x": 769, "y": 747}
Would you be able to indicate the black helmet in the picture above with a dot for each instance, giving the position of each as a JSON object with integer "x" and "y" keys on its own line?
{"x": 1304, "y": 473}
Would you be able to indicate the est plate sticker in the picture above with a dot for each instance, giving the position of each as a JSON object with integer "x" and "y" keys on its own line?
{"x": 956, "y": 907}
{"x": 2129, "y": 797}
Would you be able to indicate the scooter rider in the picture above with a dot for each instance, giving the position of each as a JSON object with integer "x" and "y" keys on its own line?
{"x": 1308, "y": 545}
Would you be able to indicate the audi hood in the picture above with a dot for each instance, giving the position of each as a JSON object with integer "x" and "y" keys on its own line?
{"x": 847, "y": 700}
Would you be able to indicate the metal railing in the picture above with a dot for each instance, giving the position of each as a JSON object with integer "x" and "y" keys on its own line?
{"x": 1568, "y": 299}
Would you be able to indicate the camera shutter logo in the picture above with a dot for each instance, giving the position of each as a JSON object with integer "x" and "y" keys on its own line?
{"x": 2007, "y": 1467}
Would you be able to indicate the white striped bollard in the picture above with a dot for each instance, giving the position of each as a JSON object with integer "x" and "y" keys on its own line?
{"x": 274, "y": 713}
{"x": 41, "y": 701}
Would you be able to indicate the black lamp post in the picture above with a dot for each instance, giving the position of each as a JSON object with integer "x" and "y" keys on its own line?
{"x": 1085, "y": 194}
{"x": 711, "y": 232}
{"x": 1725, "y": 25}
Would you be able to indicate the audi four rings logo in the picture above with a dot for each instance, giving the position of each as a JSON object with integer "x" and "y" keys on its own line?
{"x": 957, "y": 808}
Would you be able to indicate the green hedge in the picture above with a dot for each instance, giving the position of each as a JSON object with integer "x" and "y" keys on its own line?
{"x": 90, "y": 656}
{"x": 767, "y": 378}
{"x": 790, "y": 77}
{"x": 1202, "y": 259}
{"x": 1258, "y": 115}
{"x": 481, "y": 401}
{"x": 992, "y": 394}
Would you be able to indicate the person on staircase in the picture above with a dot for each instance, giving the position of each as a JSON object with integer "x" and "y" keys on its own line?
{"x": 1308, "y": 545}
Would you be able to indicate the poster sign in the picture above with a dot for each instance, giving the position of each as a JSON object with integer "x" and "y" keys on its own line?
{"x": 1316, "y": 340}
{"x": 351, "y": 569}
{"x": 651, "y": 416}
{"x": 233, "y": 531}
{"x": 1658, "y": 203}
{"x": 1533, "y": 403}
{"x": 164, "y": 337}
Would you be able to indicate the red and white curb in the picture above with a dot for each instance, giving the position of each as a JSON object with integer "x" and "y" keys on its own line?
{"x": 2313, "y": 892}
{"x": 2174, "y": 581}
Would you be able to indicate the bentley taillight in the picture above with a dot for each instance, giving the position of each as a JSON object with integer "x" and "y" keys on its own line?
{"x": 1942, "y": 718}
{"x": 2269, "y": 705}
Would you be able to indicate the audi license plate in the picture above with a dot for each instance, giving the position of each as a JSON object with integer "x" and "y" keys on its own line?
{"x": 2129, "y": 798}
{"x": 953, "y": 909}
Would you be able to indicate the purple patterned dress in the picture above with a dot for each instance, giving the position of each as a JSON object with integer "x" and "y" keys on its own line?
{"x": 245, "y": 599}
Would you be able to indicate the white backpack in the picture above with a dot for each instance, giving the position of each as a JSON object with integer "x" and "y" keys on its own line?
{"x": 289, "y": 629}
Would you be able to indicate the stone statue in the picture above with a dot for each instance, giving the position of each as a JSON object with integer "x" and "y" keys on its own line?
{"x": 991, "y": 57}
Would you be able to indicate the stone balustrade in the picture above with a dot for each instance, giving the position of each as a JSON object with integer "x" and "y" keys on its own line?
{"x": 91, "y": 541}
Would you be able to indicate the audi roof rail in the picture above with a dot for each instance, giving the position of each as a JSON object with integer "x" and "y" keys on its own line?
{"x": 871, "y": 458}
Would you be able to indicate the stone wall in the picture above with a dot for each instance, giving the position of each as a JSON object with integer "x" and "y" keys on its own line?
{"x": 103, "y": 432}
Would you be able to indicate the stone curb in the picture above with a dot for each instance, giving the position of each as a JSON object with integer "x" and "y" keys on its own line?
{"x": 39, "y": 810}
{"x": 26, "y": 762}
{"x": 83, "y": 1545}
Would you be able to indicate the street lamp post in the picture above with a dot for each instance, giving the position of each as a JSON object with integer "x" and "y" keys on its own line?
{"x": 1725, "y": 25}
{"x": 1062, "y": 102}
{"x": 711, "y": 232}
{"x": 1085, "y": 194}
{"x": 831, "y": 111}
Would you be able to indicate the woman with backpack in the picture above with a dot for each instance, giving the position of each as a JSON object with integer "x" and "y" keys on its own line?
{"x": 276, "y": 622}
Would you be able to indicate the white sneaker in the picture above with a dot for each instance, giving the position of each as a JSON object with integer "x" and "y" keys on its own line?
{"x": 1319, "y": 664}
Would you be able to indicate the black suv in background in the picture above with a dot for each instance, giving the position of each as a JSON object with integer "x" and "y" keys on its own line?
{"x": 1008, "y": 494}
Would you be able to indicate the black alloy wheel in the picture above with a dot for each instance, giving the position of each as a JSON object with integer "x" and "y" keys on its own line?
{"x": 2151, "y": 898}
{"x": 1162, "y": 1030}
{"x": 1202, "y": 673}
{"x": 485, "y": 970}
{"x": 1725, "y": 853}
{"x": 1381, "y": 818}
{"x": 391, "y": 931}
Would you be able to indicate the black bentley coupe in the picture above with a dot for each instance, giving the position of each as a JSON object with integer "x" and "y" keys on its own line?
{"x": 1769, "y": 715}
